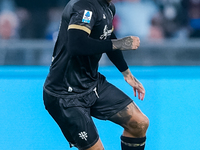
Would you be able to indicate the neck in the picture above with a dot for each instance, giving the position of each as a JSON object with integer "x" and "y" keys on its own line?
{"x": 108, "y": 1}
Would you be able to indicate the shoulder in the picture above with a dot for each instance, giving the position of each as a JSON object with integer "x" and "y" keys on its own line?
{"x": 112, "y": 8}
{"x": 82, "y": 4}
{"x": 78, "y": 6}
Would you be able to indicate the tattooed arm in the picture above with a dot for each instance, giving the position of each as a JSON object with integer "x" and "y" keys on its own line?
{"x": 127, "y": 43}
{"x": 136, "y": 85}
{"x": 130, "y": 43}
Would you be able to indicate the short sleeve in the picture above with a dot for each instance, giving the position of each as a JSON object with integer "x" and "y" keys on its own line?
{"x": 83, "y": 17}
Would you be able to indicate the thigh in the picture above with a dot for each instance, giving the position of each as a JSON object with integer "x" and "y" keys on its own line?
{"x": 97, "y": 146}
{"x": 75, "y": 123}
{"x": 130, "y": 113}
{"x": 111, "y": 100}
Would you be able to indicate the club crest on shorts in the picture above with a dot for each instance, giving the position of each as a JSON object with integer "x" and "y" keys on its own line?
{"x": 83, "y": 135}
{"x": 87, "y": 16}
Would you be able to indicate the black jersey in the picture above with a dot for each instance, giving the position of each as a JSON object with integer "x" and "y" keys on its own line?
{"x": 71, "y": 74}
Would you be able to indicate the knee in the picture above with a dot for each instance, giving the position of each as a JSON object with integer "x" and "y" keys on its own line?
{"x": 138, "y": 128}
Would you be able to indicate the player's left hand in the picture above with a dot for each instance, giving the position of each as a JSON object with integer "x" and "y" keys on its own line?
{"x": 137, "y": 86}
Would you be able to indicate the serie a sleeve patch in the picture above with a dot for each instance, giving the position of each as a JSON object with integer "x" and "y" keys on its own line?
{"x": 87, "y": 16}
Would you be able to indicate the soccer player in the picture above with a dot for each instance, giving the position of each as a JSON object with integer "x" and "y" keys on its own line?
{"x": 74, "y": 90}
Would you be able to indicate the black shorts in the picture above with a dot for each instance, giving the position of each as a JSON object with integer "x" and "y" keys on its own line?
{"x": 73, "y": 114}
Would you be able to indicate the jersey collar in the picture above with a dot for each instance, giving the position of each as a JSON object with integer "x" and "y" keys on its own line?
{"x": 103, "y": 2}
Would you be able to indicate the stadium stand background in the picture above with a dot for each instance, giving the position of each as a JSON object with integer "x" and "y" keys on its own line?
{"x": 29, "y": 29}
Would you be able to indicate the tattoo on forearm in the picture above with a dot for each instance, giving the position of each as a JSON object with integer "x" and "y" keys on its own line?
{"x": 136, "y": 80}
{"x": 126, "y": 72}
{"x": 123, "y": 44}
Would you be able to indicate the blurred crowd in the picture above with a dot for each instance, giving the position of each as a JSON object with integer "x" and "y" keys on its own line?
{"x": 148, "y": 19}
{"x": 30, "y": 19}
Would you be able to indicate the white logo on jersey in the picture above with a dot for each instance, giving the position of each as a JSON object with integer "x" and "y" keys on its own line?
{"x": 87, "y": 16}
{"x": 52, "y": 59}
{"x": 106, "y": 33}
{"x": 70, "y": 89}
{"x": 83, "y": 135}
{"x": 104, "y": 16}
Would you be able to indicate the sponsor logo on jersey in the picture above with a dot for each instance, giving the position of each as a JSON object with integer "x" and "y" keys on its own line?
{"x": 106, "y": 33}
{"x": 87, "y": 16}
